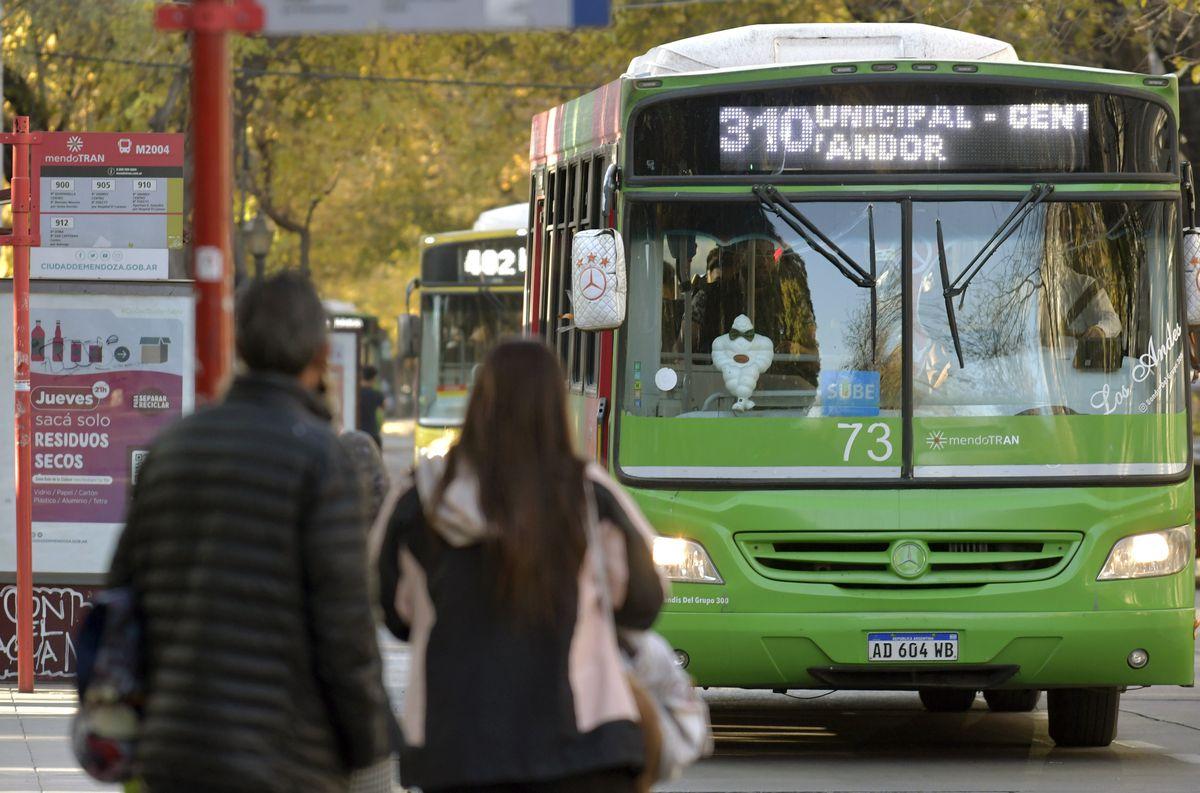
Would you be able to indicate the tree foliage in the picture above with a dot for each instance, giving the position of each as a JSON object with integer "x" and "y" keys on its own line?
{"x": 354, "y": 165}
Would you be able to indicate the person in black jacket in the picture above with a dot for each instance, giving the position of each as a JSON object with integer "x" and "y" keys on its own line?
{"x": 246, "y": 546}
{"x": 485, "y": 568}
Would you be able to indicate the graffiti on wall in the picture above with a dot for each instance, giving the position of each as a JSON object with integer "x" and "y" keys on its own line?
{"x": 57, "y": 613}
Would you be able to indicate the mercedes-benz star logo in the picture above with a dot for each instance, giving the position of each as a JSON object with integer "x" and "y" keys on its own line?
{"x": 910, "y": 558}
{"x": 592, "y": 283}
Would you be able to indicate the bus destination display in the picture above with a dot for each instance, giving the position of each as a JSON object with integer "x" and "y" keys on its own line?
{"x": 496, "y": 262}
{"x": 504, "y": 262}
{"x": 908, "y": 137}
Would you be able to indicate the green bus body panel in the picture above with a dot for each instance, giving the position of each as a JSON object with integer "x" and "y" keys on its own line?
{"x": 1055, "y": 650}
{"x": 986, "y": 73}
{"x": 765, "y": 628}
{"x": 1069, "y": 629}
{"x": 1154, "y": 191}
{"x": 1007, "y": 440}
{"x": 575, "y": 132}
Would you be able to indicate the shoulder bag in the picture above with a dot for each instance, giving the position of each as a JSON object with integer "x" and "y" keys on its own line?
{"x": 679, "y": 710}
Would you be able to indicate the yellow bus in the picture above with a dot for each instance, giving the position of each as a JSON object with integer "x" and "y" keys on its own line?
{"x": 471, "y": 287}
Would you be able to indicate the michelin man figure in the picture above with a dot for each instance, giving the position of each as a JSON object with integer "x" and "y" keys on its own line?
{"x": 742, "y": 356}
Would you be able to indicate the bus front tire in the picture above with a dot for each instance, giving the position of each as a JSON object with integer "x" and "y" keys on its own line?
{"x": 1083, "y": 716}
{"x": 947, "y": 700}
{"x": 1020, "y": 700}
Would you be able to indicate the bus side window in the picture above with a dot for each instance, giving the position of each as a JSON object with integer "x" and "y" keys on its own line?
{"x": 593, "y": 176}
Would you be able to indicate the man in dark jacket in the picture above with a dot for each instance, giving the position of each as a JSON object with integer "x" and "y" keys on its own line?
{"x": 246, "y": 545}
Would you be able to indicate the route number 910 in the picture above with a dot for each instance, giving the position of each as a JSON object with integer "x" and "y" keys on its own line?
{"x": 878, "y": 435}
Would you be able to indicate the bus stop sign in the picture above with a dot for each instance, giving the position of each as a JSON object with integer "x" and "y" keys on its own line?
{"x": 287, "y": 17}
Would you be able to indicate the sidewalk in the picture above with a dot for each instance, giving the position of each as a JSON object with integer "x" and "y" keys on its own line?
{"x": 35, "y": 751}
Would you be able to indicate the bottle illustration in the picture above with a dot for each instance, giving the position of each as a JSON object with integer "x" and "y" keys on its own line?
{"x": 56, "y": 346}
{"x": 37, "y": 342}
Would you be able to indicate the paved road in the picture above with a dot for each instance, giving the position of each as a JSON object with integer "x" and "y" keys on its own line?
{"x": 885, "y": 742}
{"x": 855, "y": 741}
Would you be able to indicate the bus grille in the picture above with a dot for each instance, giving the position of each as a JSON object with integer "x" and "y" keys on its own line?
{"x": 945, "y": 559}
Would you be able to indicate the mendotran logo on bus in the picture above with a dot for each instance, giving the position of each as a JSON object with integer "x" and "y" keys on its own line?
{"x": 938, "y": 440}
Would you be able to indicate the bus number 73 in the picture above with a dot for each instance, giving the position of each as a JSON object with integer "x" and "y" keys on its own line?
{"x": 880, "y": 432}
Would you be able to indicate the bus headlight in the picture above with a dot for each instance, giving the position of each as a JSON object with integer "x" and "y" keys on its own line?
{"x": 1145, "y": 555}
{"x": 439, "y": 447}
{"x": 684, "y": 560}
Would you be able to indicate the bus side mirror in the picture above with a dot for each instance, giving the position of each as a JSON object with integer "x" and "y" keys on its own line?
{"x": 1191, "y": 248}
{"x": 599, "y": 286}
{"x": 408, "y": 336}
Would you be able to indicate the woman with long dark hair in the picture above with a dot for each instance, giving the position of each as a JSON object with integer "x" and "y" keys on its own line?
{"x": 486, "y": 569}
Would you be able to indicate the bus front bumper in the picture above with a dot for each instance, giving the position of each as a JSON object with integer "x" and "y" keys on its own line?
{"x": 1008, "y": 650}
{"x": 433, "y": 441}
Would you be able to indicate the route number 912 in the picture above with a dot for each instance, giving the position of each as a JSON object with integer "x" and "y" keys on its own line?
{"x": 878, "y": 435}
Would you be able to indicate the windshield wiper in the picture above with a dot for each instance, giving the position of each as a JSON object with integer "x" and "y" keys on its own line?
{"x": 774, "y": 202}
{"x": 952, "y": 289}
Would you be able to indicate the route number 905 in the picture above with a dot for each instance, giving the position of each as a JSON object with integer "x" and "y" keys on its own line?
{"x": 878, "y": 435}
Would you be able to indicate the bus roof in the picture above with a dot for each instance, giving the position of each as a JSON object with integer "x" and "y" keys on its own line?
{"x": 334, "y": 306}
{"x": 755, "y": 46}
{"x": 593, "y": 120}
{"x": 583, "y": 124}
{"x": 509, "y": 218}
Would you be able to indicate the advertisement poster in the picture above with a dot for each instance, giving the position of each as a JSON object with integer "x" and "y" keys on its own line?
{"x": 343, "y": 379}
{"x": 109, "y": 373}
{"x": 110, "y": 206}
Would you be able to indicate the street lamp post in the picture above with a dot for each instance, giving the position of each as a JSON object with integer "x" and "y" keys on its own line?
{"x": 259, "y": 235}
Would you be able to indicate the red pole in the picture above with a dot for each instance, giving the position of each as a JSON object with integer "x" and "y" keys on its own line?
{"x": 212, "y": 132}
{"x": 210, "y": 22}
{"x": 21, "y": 240}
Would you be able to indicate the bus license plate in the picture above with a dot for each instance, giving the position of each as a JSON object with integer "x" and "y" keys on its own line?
{"x": 901, "y": 647}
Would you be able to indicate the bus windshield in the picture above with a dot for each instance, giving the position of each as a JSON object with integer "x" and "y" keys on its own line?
{"x": 1073, "y": 319}
{"x": 457, "y": 331}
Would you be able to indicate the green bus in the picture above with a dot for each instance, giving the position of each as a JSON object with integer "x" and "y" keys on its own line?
{"x": 471, "y": 287}
{"x": 883, "y": 329}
